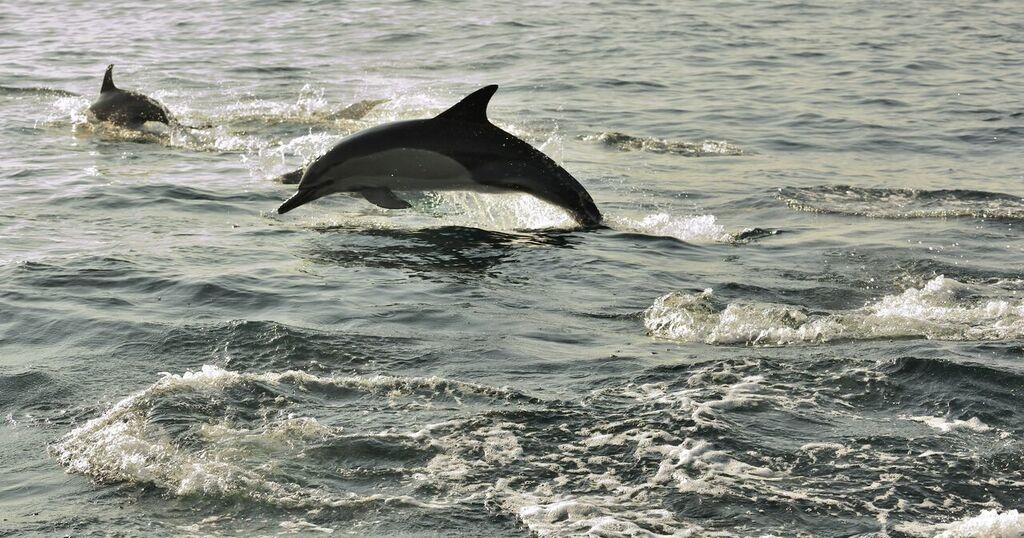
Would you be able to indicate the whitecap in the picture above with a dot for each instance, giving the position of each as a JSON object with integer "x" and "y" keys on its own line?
{"x": 941, "y": 309}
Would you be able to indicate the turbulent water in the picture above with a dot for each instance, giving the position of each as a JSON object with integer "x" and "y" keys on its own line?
{"x": 805, "y": 317}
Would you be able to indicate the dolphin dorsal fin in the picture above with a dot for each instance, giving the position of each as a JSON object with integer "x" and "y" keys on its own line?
{"x": 108, "y": 80}
{"x": 472, "y": 108}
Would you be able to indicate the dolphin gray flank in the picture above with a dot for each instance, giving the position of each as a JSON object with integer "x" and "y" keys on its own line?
{"x": 459, "y": 149}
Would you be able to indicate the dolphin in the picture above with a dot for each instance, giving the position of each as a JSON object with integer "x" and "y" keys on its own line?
{"x": 125, "y": 108}
{"x": 459, "y": 149}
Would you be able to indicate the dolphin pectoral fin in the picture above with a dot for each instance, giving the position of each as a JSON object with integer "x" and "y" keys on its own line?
{"x": 383, "y": 197}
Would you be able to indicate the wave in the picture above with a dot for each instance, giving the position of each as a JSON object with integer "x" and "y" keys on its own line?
{"x": 942, "y": 309}
{"x": 311, "y": 108}
{"x": 210, "y": 433}
{"x": 15, "y": 90}
{"x": 903, "y": 203}
{"x": 199, "y": 433}
{"x": 987, "y": 524}
{"x": 625, "y": 142}
{"x": 652, "y": 456}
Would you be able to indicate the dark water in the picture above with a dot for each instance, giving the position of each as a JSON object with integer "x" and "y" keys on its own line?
{"x": 177, "y": 359}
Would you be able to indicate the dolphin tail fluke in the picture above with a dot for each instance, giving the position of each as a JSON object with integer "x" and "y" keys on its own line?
{"x": 108, "y": 80}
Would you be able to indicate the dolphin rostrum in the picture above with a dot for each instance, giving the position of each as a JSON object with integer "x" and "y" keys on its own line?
{"x": 457, "y": 150}
{"x": 125, "y": 108}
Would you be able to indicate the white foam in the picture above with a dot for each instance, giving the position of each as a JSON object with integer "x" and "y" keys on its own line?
{"x": 592, "y": 485}
{"x": 945, "y": 425}
{"x": 304, "y": 527}
{"x": 987, "y": 524}
{"x": 699, "y": 228}
{"x": 310, "y": 106}
{"x": 941, "y": 309}
{"x": 697, "y": 318}
{"x": 627, "y": 142}
{"x": 571, "y": 516}
{"x": 69, "y": 108}
{"x": 123, "y": 445}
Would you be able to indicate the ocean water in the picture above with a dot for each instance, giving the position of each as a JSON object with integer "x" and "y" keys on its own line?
{"x": 805, "y": 318}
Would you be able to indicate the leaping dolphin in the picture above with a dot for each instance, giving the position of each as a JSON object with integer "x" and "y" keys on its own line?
{"x": 125, "y": 108}
{"x": 460, "y": 149}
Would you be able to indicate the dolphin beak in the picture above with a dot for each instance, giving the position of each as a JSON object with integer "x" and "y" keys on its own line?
{"x": 301, "y": 197}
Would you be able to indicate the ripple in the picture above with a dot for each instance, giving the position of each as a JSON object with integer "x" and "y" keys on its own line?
{"x": 625, "y": 142}
{"x": 903, "y": 203}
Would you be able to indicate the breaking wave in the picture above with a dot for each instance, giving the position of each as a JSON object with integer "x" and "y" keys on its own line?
{"x": 942, "y": 309}
{"x": 211, "y": 433}
{"x": 633, "y": 459}
{"x": 139, "y": 440}
{"x": 987, "y": 524}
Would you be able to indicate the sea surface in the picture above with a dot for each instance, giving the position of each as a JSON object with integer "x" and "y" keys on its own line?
{"x": 805, "y": 317}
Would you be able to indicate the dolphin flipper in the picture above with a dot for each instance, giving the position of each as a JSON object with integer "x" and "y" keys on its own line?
{"x": 383, "y": 197}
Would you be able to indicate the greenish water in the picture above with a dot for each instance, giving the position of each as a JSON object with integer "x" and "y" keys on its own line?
{"x": 176, "y": 359}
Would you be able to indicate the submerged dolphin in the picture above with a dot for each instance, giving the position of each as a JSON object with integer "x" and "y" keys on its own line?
{"x": 125, "y": 108}
{"x": 457, "y": 150}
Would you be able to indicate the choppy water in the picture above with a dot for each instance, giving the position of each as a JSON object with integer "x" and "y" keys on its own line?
{"x": 806, "y": 317}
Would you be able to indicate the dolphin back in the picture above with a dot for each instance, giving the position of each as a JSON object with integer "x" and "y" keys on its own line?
{"x": 126, "y": 108}
{"x": 518, "y": 166}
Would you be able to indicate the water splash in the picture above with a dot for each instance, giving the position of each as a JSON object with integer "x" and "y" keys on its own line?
{"x": 625, "y": 142}
{"x": 699, "y": 228}
{"x": 310, "y": 108}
